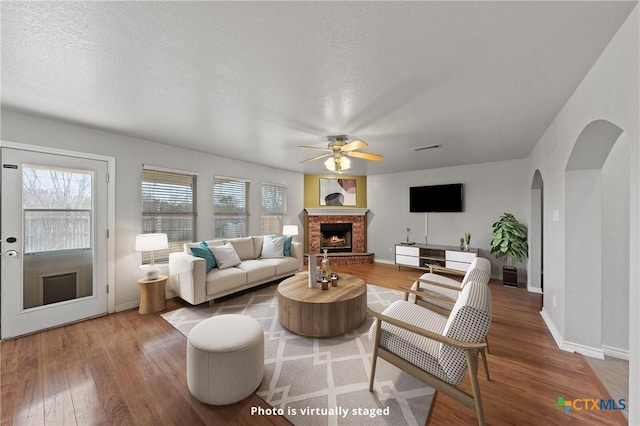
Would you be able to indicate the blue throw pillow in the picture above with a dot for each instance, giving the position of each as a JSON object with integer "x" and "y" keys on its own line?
{"x": 287, "y": 245}
{"x": 204, "y": 252}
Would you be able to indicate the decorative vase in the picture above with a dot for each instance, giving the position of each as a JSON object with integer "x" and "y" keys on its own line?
{"x": 326, "y": 272}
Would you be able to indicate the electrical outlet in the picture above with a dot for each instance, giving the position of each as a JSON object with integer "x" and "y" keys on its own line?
{"x": 554, "y": 301}
{"x": 390, "y": 249}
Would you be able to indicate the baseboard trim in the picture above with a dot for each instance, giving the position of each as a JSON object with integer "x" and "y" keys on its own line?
{"x": 537, "y": 290}
{"x": 127, "y": 306}
{"x": 379, "y": 260}
{"x": 616, "y": 352}
{"x": 584, "y": 350}
{"x": 589, "y": 351}
{"x": 553, "y": 330}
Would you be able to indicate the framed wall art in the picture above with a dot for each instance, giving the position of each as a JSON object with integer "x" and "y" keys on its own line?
{"x": 337, "y": 192}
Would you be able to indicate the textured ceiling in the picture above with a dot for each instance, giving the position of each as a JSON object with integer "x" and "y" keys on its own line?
{"x": 253, "y": 80}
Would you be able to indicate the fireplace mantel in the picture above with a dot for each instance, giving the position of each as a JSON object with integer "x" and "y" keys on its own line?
{"x": 337, "y": 212}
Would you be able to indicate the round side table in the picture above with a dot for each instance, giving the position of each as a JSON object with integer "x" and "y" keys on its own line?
{"x": 152, "y": 295}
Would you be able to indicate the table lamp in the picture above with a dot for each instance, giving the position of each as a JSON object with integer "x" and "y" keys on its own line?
{"x": 151, "y": 242}
{"x": 290, "y": 230}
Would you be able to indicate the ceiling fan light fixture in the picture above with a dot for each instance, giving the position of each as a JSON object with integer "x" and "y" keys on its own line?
{"x": 337, "y": 164}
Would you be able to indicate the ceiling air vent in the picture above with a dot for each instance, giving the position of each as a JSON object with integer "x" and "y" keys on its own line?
{"x": 422, "y": 148}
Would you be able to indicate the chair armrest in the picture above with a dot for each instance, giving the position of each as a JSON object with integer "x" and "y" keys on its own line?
{"x": 424, "y": 295}
{"x": 424, "y": 332}
{"x": 187, "y": 277}
{"x": 438, "y": 284}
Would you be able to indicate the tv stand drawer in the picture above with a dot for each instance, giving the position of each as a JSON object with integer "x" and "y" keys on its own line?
{"x": 460, "y": 256}
{"x": 407, "y": 250}
{"x": 407, "y": 260}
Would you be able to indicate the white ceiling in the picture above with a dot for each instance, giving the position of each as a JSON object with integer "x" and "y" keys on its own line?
{"x": 253, "y": 80}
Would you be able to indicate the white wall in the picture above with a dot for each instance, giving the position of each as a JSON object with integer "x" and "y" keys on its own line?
{"x": 615, "y": 243}
{"x": 608, "y": 92}
{"x": 131, "y": 154}
{"x": 583, "y": 246}
{"x": 489, "y": 190}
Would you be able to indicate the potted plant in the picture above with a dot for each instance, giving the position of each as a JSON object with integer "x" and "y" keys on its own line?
{"x": 509, "y": 238}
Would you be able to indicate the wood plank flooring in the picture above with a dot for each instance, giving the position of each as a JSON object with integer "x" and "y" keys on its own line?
{"x": 129, "y": 369}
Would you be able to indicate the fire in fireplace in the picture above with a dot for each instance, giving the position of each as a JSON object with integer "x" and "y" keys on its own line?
{"x": 335, "y": 237}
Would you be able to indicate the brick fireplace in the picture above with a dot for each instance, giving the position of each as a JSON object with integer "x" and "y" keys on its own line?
{"x": 345, "y": 216}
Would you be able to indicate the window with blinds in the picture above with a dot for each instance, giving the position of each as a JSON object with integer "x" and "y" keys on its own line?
{"x": 274, "y": 208}
{"x": 169, "y": 206}
{"x": 230, "y": 207}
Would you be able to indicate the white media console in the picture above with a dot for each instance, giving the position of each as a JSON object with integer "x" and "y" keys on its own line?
{"x": 448, "y": 259}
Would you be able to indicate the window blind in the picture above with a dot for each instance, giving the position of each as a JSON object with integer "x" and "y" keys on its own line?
{"x": 230, "y": 207}
{"x": 274, "y": 208}
{"x": 169, "y": 206}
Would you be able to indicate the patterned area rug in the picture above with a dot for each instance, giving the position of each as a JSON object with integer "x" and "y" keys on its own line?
{"x": 323, "y": 381}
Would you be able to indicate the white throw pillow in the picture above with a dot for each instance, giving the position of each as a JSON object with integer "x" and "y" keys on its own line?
{"x": 273, "y": 247}
{"x": 225, "y": 255}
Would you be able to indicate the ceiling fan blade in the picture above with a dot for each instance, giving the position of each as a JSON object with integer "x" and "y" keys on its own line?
{"x": 357, "y": 144}
{"x": 365, "y": 155}
{"x": 315, "y": 158}
{"x": 315, "y": 147}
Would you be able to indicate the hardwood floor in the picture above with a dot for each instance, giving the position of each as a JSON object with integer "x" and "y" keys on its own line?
{"x": 129, "y": 369}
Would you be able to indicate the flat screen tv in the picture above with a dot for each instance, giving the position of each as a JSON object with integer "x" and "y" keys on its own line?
{"x": 435, "y": 198}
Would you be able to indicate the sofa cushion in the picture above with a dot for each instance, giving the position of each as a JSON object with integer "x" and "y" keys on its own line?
{"x": 257, "y": 270}
{"x": 283, "y": 265}
{"x": 244, "y": 247}
{"x": 225, "y": 255}
{"x": 219, "y": 280}
{"x": 203, "y": 251}
{"x": 210, "y": 243}
{"x": 257, "y": 246}
{"x": 215, "y": 243}
{"x": 273, "y": 247}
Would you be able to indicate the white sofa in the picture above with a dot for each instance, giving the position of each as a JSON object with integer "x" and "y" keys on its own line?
{"x": 189, "y": 280}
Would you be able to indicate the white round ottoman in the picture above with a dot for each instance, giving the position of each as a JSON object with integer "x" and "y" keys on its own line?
{"x": 225, "y": 359}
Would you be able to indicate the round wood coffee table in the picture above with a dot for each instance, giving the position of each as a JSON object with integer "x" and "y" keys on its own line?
{"x": 315, "y": 312}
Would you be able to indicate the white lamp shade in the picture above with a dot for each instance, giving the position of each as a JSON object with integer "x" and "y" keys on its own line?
{"x": 330, "y": 164}
{"x": 150, "y": 242}
{"x": 290, "y": 230}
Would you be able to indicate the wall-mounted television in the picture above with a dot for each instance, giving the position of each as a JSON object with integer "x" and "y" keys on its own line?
{"x": 436, "y": 198}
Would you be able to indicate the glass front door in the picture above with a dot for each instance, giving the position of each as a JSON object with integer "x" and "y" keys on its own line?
{"x": 54, "y": 259}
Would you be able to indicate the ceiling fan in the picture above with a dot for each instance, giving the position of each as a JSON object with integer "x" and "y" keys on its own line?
{"x": 337, "y": 149}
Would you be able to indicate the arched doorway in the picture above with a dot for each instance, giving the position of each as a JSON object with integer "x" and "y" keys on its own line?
{"x": 594, "y": 202}
{"x": 536, "y": 226}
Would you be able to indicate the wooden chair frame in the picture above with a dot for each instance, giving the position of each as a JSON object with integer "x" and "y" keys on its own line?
{"x": 472, "y": 401}
{"x": 422, "y": 299}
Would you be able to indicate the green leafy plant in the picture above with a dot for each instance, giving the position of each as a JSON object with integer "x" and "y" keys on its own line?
{"x": 467, "y": 237}
{"x": 509, "y": 238}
